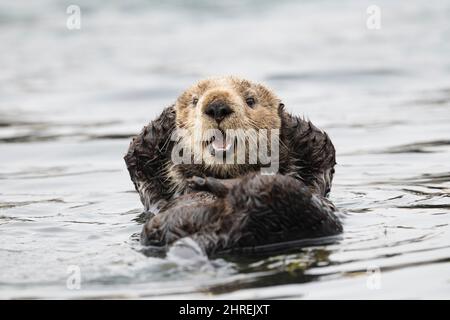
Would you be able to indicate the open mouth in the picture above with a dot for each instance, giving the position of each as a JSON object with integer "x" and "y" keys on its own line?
{"x": 217, "y": 145}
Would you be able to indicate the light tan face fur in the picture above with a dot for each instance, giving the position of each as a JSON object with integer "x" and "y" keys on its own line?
{"x": 236, "y": 94}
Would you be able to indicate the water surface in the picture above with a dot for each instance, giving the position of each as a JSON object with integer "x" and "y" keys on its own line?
{"x": 71, "y": 100}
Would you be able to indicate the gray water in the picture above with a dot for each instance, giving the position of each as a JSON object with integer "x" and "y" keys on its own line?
{"x": 71, "y": 99}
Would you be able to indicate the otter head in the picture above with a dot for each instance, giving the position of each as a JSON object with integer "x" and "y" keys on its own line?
{"x": 211, "y": 109}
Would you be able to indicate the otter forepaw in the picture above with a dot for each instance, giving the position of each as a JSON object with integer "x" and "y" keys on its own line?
{"x": 215, "y": 186}
{"x": 196, "y": 183}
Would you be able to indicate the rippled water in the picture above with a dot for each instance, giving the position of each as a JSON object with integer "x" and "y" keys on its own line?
{"x": 71, "y": 100}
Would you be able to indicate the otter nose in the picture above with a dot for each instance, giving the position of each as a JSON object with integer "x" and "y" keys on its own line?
{"x": 218, "y": 110}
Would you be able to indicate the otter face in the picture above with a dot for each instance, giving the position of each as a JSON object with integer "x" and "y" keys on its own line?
{"x": 223, "y": 105}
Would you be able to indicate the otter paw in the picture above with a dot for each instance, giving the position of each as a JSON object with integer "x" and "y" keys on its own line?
{"x": 197, "y": 183}
{"x": 215, "y": 186}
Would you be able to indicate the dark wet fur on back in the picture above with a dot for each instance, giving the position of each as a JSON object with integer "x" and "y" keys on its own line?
{"x": 258, "y": 210}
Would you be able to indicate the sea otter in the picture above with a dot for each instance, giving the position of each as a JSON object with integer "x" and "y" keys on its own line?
{"x": 225, "y": 206}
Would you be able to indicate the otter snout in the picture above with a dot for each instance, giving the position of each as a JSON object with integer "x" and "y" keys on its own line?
{"x": 218, "y": 110}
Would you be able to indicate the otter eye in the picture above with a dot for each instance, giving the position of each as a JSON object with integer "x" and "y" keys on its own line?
{"x": 250, "y": 102}
{"x": 194, "y": 101}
